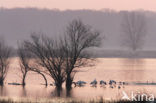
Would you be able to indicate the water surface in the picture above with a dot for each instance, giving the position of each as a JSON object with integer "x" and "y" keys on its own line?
{"x": 127, "y": 70}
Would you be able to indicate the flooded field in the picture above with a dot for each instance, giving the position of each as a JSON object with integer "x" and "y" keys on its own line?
{"x": 125, "y": 70}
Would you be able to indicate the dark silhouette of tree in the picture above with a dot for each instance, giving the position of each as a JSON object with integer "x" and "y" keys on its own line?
{"x": 5, "y": 52}
{"x": 26, "y": 63}
{"x": 134, "y": 30}
{"x": 78, "y": 41}
{"x": 24, "y": 58}
{"x": 49, "y": 56}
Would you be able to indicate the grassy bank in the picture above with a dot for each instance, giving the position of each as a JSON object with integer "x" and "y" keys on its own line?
{"x": 5, "y": 100}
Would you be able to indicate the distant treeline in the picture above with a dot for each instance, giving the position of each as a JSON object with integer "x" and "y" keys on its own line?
{"x": 18, "y": 23}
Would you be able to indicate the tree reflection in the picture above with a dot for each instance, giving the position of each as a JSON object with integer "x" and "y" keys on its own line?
{"x": 69, "y": 93}
{"x": 23, "y": 92}
{"x": 57, "y": 92}
{"x": 3, "y": 91}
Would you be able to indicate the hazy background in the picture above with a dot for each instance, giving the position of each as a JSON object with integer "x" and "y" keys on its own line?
{"x": 18, "y": 24}
{"x": 19, "y": 18}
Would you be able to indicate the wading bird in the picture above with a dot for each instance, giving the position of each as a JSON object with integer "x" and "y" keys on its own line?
{"x": 103, "y": 82}
{"x": 80, "y": 83}
{"x": 94, "y": 82}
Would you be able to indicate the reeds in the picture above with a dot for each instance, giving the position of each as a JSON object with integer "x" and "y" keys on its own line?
{"x": 101, "y": 100}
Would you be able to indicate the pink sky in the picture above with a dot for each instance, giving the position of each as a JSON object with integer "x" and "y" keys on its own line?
{"x": 82, "y": 4}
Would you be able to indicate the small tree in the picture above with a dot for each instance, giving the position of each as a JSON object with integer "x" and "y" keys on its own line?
{"x": 26, "y": 64}
{"x": 5, "y": 52}
{"x": 49, "y": 56}
{"x": 134, "y": 30}
{"x": 78, "y": 41}
{"x": 24, "y": 57}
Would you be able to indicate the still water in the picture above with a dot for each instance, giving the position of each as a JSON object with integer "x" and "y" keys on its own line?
{"x": 127, "y": 70}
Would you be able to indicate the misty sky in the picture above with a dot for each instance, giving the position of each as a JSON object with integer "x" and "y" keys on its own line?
{"x": 82, "y": 4}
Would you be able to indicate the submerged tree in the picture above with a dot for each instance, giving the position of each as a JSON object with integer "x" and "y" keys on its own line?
{"x": 78, "y": 41}
{"x": 26, "y": 65}
{"x": 49, "y": 56}
{"x": 24, "y": 58}
{"x": 61, "y": 58}
{"x": 134, "y": 30}
{"x": 5, "y": 52}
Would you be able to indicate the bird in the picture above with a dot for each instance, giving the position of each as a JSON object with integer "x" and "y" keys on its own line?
{"x": 103, "y": 82}
{"x": 94, "y": 82}
{"x": 111, "y": 82}
{"x": 80, "y": 83}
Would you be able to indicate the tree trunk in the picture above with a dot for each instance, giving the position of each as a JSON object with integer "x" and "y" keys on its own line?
{"x": 58, "y": 92}
{"x": 1, "y": 81}
{"x": 59, "y": 85}
{"x": 45, "y": 79}
{"x": 69, "y": 82}
{"x": 23, "y": 79}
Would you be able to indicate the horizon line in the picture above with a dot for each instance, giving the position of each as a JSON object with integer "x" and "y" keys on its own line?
{"x": 62, "y": 10}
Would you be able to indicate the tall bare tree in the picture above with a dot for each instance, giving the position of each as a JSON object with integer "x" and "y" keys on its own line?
{"x": 133, "y": 29}
{"x": 5, "y": 52}
{"x": 78, "y": 41}
{"x": 26, "y": 64}
{"x": 48, "y": 54}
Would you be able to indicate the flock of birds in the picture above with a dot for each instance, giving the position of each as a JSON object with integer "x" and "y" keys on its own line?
{"x": 111, "y": 83}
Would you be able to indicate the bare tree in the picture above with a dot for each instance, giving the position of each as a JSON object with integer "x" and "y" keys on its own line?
{"x": 24, "y": 57}
{"x": 78, "y": 41}
{"x": 134, "y": 30}
{"x": 26, "y": 63}
{"x": 48, "y": 54}
{"x": 5, "y": 52}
